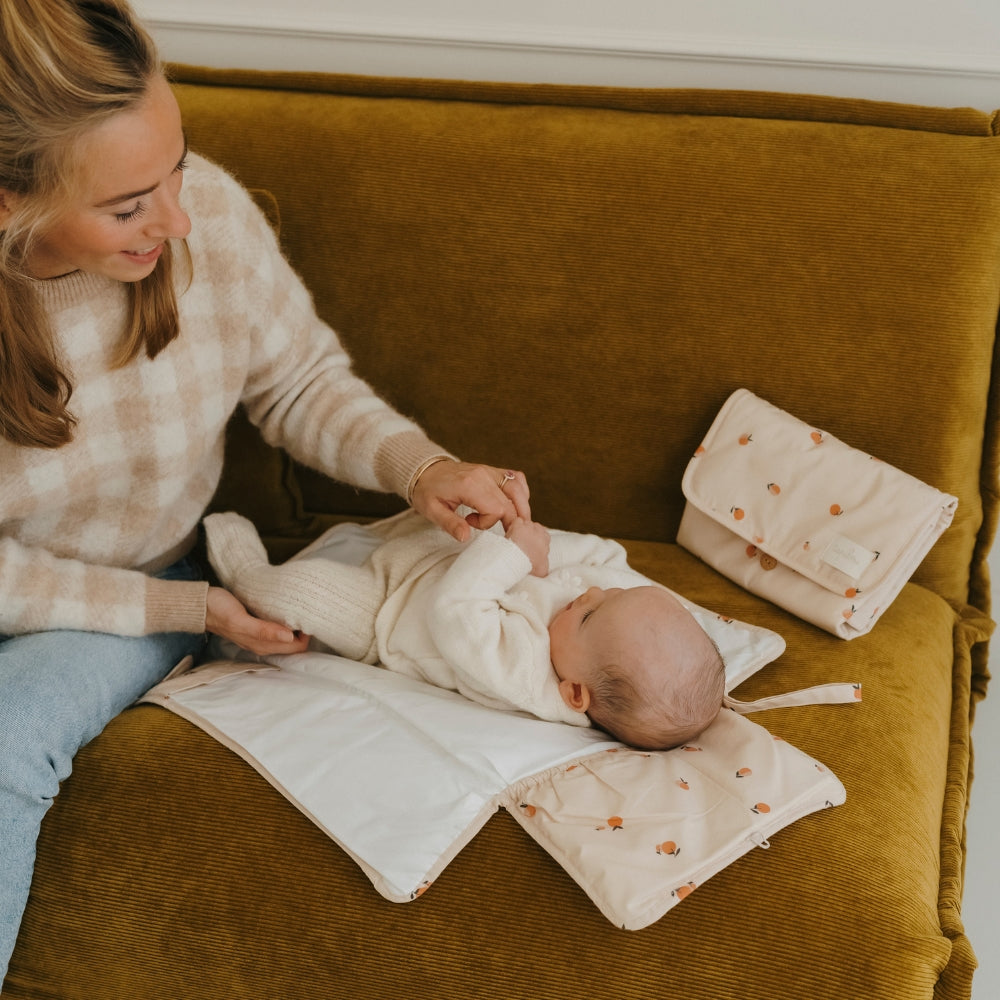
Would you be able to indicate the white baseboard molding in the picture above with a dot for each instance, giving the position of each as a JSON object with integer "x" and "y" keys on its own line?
{"x": 617, "y": 59}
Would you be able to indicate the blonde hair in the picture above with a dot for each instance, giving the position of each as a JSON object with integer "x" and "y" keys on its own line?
{"x": 66, "y": 66}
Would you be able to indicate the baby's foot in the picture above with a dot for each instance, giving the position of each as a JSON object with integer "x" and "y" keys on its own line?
{"x": 234, "y": 547}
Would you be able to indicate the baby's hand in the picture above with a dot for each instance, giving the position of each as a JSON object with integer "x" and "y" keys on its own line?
{"x": 532, "y": 539}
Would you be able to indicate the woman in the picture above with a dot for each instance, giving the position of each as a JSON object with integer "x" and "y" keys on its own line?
{"x": 142, "y": 299}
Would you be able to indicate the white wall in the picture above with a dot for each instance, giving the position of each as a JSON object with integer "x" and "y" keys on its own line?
{"x": 922, "y": 51}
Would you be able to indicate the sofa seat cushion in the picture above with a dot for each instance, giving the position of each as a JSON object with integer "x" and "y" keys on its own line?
{"x": 217, "y": 847}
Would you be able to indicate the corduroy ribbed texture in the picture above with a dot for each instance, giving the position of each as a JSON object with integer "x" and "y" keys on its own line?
{"x": 560, "y": 270}
{"x": 674, "y": 101}
{"x": 175, "y": 871}
{"x": 571, "y": 281}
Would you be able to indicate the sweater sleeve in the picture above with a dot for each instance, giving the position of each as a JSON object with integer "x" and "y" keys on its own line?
{"x": 300, "y": 388}
{"x": 42, "y": 592}
{"x": 495, "y": 653}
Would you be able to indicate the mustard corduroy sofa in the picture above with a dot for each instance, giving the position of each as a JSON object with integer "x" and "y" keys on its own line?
{"x": 571, "y": 281}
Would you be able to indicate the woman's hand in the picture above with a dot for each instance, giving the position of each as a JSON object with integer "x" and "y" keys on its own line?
{"x": 493, "y": 494}
{"x": 225, "y": 616}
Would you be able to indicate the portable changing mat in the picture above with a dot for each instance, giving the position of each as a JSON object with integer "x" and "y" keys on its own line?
{"x": 637, "y": 830}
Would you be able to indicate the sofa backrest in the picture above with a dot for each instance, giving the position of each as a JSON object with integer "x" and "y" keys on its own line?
{"x": 572, "y": 280}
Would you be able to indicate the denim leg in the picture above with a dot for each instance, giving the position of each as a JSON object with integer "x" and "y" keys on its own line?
{"x": 58, "y": 690}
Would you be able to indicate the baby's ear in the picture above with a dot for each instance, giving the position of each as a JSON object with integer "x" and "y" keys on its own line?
{"x": 575, "y": 694}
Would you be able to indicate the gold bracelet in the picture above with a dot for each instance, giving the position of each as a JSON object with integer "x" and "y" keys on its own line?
{"x": 415, "y": 478}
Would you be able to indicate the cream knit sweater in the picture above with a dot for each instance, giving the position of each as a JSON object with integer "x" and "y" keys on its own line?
{"x": 82, "y": 525}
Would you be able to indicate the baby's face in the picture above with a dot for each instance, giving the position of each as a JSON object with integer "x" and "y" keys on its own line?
{"x": 598, "y": 626}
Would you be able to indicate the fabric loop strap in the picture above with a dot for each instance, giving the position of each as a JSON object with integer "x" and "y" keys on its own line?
{"x": 824, "y": 694}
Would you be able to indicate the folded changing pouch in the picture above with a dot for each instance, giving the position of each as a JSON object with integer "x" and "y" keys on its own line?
{"x": 793, "y": 514}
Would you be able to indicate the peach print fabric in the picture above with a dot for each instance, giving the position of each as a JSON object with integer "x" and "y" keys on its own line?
{"x": 793, "y": 514}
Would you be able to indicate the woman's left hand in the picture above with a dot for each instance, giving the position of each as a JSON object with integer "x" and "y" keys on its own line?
{"x": 493, "y": 494}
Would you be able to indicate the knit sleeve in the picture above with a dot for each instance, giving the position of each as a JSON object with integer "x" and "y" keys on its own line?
{"x": 40, "y": 591}
{"x": 496, "y": 654}
{"x": 299, "y": 387}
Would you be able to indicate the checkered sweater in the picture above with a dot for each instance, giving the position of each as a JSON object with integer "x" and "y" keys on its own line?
{"x": 82, "y": 526}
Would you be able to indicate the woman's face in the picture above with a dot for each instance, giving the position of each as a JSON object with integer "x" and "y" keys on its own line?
{"x": 127, "y": 204}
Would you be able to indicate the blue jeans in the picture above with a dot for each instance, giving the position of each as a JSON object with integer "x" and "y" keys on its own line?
{"x": 58, "y": 690}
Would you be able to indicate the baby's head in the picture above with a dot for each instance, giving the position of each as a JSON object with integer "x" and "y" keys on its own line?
{"x": 639, "y": 664}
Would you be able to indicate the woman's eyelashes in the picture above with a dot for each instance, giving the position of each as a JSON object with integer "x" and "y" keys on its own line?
{"x": 131, "y": 216}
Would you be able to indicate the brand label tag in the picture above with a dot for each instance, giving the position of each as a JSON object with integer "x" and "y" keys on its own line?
{"x": 848, "y": 556}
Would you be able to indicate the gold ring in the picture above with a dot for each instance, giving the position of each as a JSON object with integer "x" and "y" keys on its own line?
{"x": 505, "y": 478}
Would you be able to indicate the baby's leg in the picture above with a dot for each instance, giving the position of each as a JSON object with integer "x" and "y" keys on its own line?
{"x": 334, "y": 602}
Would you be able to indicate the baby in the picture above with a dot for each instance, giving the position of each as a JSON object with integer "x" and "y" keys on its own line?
{"x": 549, "y": 622}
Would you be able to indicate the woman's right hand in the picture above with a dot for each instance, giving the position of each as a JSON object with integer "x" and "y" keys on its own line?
{"x": 226, "y": 617}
